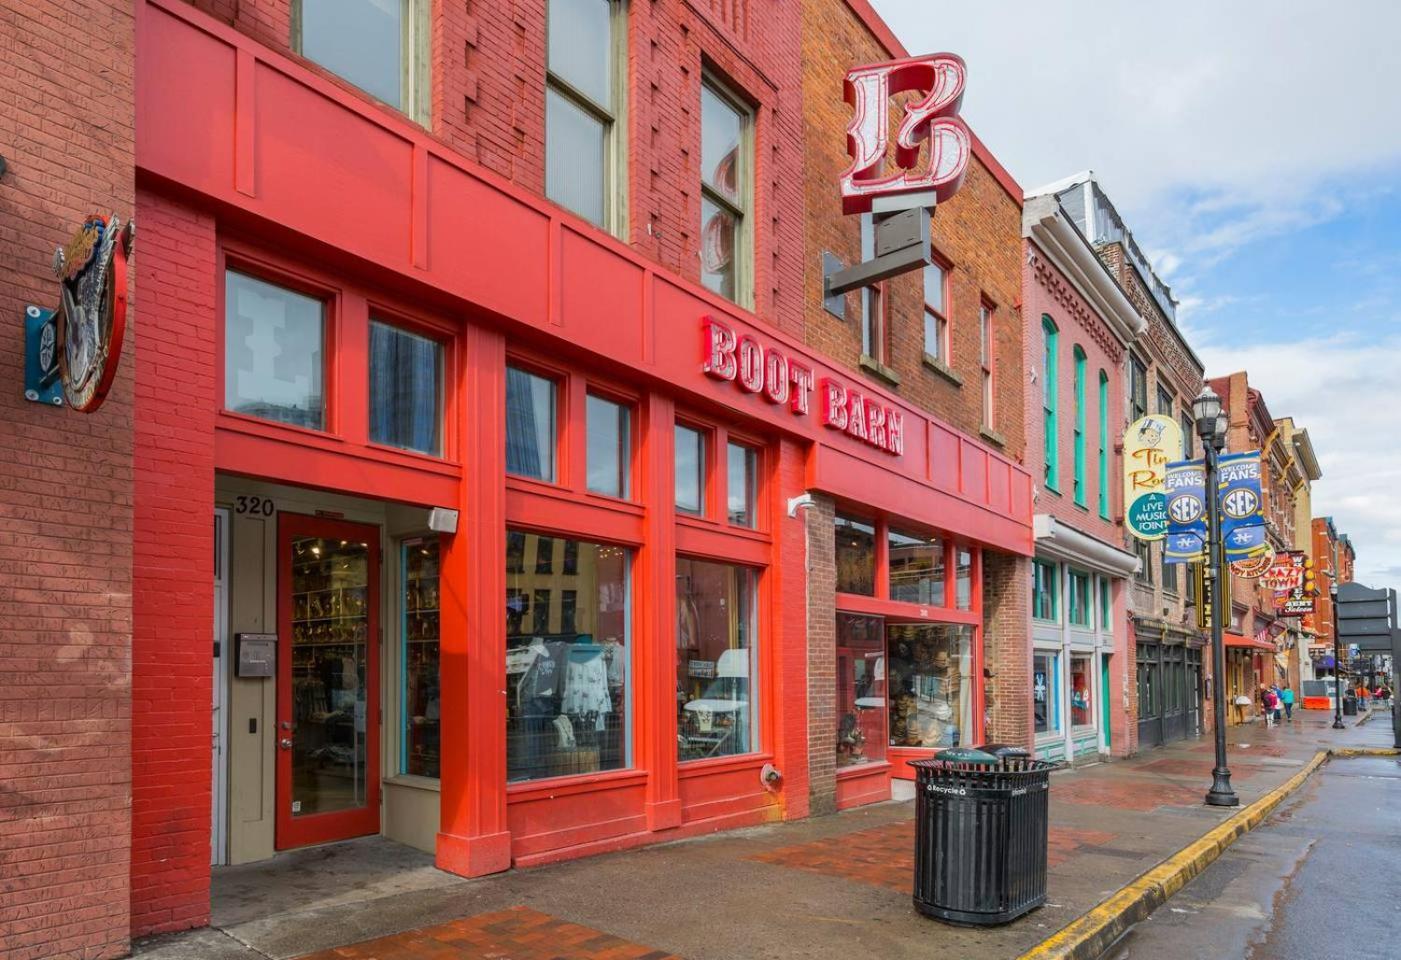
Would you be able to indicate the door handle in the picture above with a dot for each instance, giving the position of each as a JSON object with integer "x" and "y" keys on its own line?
{"x": 285, "y": 743}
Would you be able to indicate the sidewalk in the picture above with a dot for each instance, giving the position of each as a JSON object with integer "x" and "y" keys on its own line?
{"x": 825, "y": 887}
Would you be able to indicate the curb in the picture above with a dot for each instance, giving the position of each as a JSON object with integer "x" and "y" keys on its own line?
{"x": 1093, "y": 933}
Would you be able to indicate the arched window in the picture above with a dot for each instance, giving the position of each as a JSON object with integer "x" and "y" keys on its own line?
{"x": 1079, "y": 425}
{"x": 1048, "y": 402}
{"x": 1104, "y": 445}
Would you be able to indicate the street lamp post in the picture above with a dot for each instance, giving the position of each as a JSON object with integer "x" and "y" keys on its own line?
{"x": 1211, "y": 428}
{"x": 1337, "y": 645}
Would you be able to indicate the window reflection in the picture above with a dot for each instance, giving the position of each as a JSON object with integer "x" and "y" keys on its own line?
{"x": 930, "y": 684}
{"x": 716, "y": 660}
{"x": 273, "y": 359}
{"x": 860, "y": 689}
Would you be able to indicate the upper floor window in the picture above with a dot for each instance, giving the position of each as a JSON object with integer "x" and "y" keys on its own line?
{"x": 1079, "y": 450}
{"x": 1189, "y": 427}
{"x": 1104, "y": 445}
{"x": 274, "y": 352}
{"x": 583, "y": 96}
{"x": 1166, "y": 407}
{"x": 406, "y": 389}
{"x": 873, "y": 300}
{"x": 609, "y": 446}
{"x": 727, "y": 149}
{"x": 1078, "y": 593}
{"x": 936, "y": 313}
{"x": 742, "y": 481}
{"x": 531, "y": 425}
{"x": 1044, "y": 590}
{"x": 1050, "y": 347}
{"x": 690, "y": 469}
{"x": 986, "y": 356}
{"x": 1138, "y": 389}
{"x": 381, "y": 46}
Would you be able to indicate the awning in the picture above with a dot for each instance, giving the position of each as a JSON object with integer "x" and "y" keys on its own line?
{"x": 1236, "y": 640}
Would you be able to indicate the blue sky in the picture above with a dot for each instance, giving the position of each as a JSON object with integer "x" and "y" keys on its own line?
{"x": 1255, "y": 150}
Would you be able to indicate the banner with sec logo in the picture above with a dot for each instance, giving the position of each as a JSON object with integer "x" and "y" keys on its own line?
{"x": 1185, "y": 485}
{"x": 1242, "y": 505}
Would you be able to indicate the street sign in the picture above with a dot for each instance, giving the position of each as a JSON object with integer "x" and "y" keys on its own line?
{"x": 1366, "y": 617}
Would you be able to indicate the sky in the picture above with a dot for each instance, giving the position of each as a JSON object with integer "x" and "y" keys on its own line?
{"x": 1254, "y": 150}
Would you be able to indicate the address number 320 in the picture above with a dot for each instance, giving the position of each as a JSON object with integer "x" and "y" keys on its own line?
{"x": 255, "y": 506}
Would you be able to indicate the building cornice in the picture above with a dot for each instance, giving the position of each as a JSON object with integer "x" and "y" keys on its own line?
{"x": 1060, "y": 541}
{"x": 1045, "y": 223}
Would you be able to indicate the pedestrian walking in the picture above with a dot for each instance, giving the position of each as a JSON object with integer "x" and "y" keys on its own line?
{"x": 1288, "y": 697}
{"x": 1278, "y": 702}
{"x": 1267, "y": 704}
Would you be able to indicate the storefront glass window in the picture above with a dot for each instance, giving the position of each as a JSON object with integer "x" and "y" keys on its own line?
{"x": 963, "y": 571}
{"x": 742, "y": 478}
{"x": 1082, "y": 687}
{"x": 609, "y": 446}
{"x": 1045, "y": 688}
{"x": 1043, "y": 592}
{"x": 690, "y": 470}
{"x": 530, "y": 425}
{"x": 716, "y": 660}
{"x": 421, "y": 700}
{"x": 567, "y": 695}
{"x": 860, "y": 689}
{"x": 406, "y": 389}
{"x": 1081, "y": 610}
{"x": 856, "y": 557}
{"x": 273, "y": 352}
{"x": 360, "y": 40}
{"x": 930, "y": 676}
{"x": 916, "y": 568}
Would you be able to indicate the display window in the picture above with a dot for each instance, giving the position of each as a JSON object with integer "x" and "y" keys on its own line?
{"x": 568, "y": 627}
{"x": 420, "y": 701}
{"x": 916, "y": 568}
{"x": 1082, "y": 685}
{"x": 930, "y": 684}
{"x": 861, "y": 703}
{"x": 717, "y": 660}
{"x": 856, "y": 556}
{"x": 1045, "y": 686}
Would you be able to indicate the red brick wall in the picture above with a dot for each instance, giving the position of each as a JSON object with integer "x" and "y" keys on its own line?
{"x": 1007, "y": 648}
{"x": 488, "y": 94}
{"x": 822, "y": 654}
{"x": 65, "y": 500}
{"x": 172, "y": 590}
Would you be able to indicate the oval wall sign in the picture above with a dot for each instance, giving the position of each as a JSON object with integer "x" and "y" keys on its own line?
{"x": 91, "y": 269}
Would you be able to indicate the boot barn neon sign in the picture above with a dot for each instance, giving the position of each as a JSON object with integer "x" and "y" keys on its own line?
{"x": 780, "y": 380}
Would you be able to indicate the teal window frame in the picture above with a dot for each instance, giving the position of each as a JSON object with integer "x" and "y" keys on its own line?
{"x": 1079, "y": 449}
{"x": 1103, "y": 445}
{"x": 1079, "y": 598}
{"x": 1045, "y": 590}
{"x": 1105, "y": 605}
{"x": 1049, "y": 402}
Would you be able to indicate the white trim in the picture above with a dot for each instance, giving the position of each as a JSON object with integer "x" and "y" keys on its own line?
{"x": 1045, "y": 222}
{"x": 219, "y": 805}
{"x": 1059, "y": 542}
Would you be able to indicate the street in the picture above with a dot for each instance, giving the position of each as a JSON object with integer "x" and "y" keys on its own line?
{"x": 1316, "y": 880}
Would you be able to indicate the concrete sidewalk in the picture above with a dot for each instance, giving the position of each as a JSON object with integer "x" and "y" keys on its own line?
{"x": 826, "y": 887}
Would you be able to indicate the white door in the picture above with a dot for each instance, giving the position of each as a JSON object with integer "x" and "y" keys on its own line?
{"x": 218, "y": 840}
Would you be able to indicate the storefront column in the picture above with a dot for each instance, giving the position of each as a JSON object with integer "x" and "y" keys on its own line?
{"x": 473, "y": 836}
{"x": 820, "y": 520}
{"x": 655, "y": 657}
{"x": 1007, "y": 648}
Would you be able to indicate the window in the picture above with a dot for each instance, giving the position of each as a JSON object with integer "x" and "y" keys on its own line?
{"x": 1048, "y": 402}
{"x": 274, "y": 352}
{"x": 963, "y": 578}
{"x": 861, "y": 732}
{"x": 1106, "y": 605}
{"x": 936, "y": 322}
{"x": 1045, "y": 687}
{"x": 742, "y": 469}
{"x": 986, "y": 350}
{"x": 874, "y": 313}
{"x": 1189, "y": 428}
{"x": 531, "y": 434}
{"x": 930, "y": 680}
{"x": 1082, "y": 685}
{"x": 1104, "y": 445}
{"x": 582, "y": 100}
{"x": 1079, "y": 449}
{"x": 421, "y": 699}
{"x": 406, "y": 389}
{"x": 1044, "y": 590}
{"x": 1144, "y": 550}
{"x": 726, "y": 194}
{"x": 1079, "y": 598}
{"x": 1166, "y": 406}
{"x": 1138, "y": 388}
{"x": 690, "y": 470}
{"x": 568, "y": 700}
{"x": 916, "y": 569}
{"x": 1169, "y": 573}
{"x": 378, "y": 45}
{"x": 717, "y": 664}
{"x": 609, "y": 447}
{"x": 856, "y": 557}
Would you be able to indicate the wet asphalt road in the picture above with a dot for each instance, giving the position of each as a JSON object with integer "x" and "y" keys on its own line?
{"x": 1321, "y": 879}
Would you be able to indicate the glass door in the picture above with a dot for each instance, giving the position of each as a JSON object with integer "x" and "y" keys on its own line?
{"x": 327, "y": 683}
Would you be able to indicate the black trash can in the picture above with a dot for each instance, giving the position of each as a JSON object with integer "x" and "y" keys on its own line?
{"x": 1349, "y": 706}
{"x": 980, "y": 835}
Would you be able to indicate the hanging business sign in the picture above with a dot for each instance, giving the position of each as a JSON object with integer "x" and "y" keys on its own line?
{"x": 1253, "y": 568}
{"x": 1242, "y": 505}
{"x": 91, "y": 321}
{"x": 1149, "y": 443}
{"x": 1185, "y": 486}
{"x": 1286, "y": 573}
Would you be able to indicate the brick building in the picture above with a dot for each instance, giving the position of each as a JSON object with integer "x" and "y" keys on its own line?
{"x": 1334, "y": 557}
{"x": 1081, "y": 325}
{"x": 1303, "y": 470}
{"x": 948, "y": 340}
{"x": 472, "y": 396}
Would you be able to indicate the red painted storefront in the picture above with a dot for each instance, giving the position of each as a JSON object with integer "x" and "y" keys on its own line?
{"x": 247, "y": 159}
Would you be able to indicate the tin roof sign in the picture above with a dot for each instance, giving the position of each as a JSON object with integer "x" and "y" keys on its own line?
{"x": 1149, "y": 443}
